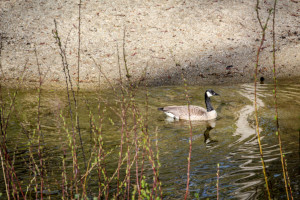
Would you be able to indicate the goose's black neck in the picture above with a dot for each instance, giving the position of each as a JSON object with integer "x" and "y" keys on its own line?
{"x": 207, "y": 102}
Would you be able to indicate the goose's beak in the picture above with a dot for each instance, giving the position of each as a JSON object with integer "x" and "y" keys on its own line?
{"x": 216, "y": 94}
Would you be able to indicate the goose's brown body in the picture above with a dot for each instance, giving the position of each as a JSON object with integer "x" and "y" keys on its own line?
{"x": 193, "y": 112}
{"x": 196, "y": 112}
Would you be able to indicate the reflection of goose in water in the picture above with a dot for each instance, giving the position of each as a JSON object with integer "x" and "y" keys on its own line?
{"x": 209, "y": 126}
{"x": 207, "y": 139}
{"x": 193, "y": 112}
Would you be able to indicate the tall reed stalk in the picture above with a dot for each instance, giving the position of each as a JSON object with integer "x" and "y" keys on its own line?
{"x": 1, "y": 47}
{"x": 287, "y": 177}
{"x": 39, "y": 130}
{"x": 69, "y": 86}
{"x": 79, "y": 45}
{"x": 284, "y": 171}
{"x": 135, "y": 144}
{"x": 263, "y": 35}
{"x": 218, "y": 176}
{"x": 190, "y": 140}
{"x": 76, "y": 100}
{"x": 7, "y": 107}
{"x": 1, "y": 124}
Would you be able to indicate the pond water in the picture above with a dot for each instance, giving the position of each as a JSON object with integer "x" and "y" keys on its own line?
{"x": 230, "y": 140}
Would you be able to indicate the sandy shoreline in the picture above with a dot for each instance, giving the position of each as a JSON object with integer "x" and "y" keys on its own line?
{"x": 210, "y": 42}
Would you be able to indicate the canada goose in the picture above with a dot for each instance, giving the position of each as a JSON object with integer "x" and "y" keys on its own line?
{"x": 196, "y": 112}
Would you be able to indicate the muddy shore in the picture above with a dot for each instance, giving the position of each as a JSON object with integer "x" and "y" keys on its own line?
{"x": 210, "y": 42}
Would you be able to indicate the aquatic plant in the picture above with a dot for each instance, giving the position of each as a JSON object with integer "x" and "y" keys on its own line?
{"x": 283, "y": 164}
{"x": 218, "y": 176}
{"x": 190, "y": 141}
{"x": 263, "y": 35}
{"x": 264, "y": 27}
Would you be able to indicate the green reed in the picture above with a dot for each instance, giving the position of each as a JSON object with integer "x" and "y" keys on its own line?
{"x": 287, "y": 177}
{"x": 218, "y": 177}
{"x": 135, "y": 143}
{"x": 190, "y": 140}
{"x": 263, "y": 35}
{"x": 284, "y": 168}
{"x": 7, "y": 108}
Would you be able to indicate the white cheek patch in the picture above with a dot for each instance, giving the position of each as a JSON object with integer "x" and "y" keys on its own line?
{"x": 209, "y": 94}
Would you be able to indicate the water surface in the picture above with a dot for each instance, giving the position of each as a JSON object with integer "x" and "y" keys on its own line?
{"x": 230, "y": 140}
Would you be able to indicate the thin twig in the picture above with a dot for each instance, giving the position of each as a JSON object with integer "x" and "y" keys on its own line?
{"x": 124, "y": 57}
{"x": 218, "y": 176}
{"x": 67, "y": 80}
{"x": 287, "y": 177}
{"x": 4, "y": 176}
{"x": 1, "y": 47}
{"x": 190, "y": 141}
{"x": 79, "y": 44}
{"x": 39, "y": 125}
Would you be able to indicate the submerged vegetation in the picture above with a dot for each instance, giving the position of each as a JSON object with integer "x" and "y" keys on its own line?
{"x": 79, "y": 168}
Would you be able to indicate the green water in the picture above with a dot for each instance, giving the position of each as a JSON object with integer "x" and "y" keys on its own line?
{"x": 230, "y": 140}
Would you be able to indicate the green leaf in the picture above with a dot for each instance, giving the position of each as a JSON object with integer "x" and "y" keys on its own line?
{"x": 143, "y": 183}
{"x": 77, "y": 196}
{"x": 143, "y": 193}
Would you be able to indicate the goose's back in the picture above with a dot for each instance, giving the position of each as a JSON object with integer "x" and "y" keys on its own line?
{"x": 196, "y": 112}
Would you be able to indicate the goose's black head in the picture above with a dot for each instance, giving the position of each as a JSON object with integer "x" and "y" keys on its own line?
{"x": 210, "y": 93}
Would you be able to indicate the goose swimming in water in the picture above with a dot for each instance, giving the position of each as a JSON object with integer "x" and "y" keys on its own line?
{"x": 196, "y": 112}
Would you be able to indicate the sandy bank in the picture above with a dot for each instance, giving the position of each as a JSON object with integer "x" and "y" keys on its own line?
{"x": 212, "y": 42}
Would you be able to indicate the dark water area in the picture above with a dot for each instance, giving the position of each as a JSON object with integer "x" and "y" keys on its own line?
{"x": 229, "y": 141}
